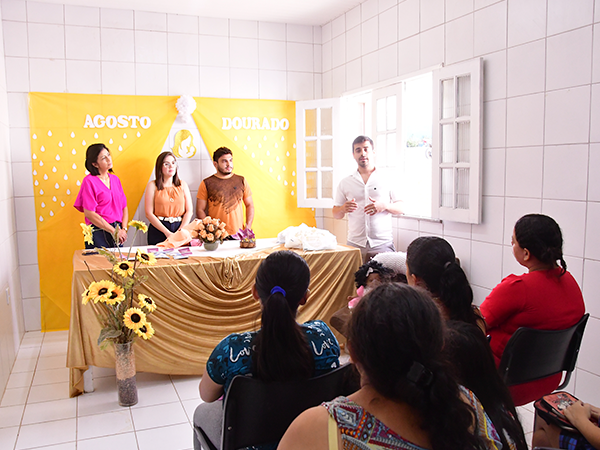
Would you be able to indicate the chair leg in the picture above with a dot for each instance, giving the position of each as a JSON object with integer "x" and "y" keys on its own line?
{"x": 201, "y": 440}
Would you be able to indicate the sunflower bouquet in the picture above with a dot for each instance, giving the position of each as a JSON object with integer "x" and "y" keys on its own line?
{"x": 211, "y": 230}
{"x": 123, "y": 315}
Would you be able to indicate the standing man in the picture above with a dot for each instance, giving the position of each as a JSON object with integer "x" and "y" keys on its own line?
{"x": 224, "y": 195}
{"x": 370, "y": 200}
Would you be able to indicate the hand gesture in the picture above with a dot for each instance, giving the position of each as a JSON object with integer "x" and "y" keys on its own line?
{"x": 350, "y": 206}
{"x": 578, "y": 412}
{"x": 122, "y": 236}
{"x": 374, "y": 207}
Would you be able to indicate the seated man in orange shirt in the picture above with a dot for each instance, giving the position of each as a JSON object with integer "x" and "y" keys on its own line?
{"x": 224, "y": 195}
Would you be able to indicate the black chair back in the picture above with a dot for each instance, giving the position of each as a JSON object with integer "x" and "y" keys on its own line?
{"x": 534, "y": 354}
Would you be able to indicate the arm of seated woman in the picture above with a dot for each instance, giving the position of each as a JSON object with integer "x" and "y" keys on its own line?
{"x": 209, "y": 390}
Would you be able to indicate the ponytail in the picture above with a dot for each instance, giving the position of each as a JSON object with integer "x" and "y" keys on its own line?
{"x": 456, "y": 294}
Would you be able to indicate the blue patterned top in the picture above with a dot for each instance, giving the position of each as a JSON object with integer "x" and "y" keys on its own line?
{"x": 233, "y": 355}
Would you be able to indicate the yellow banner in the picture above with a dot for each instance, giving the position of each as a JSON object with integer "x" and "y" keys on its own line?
{"x": 262, "y": 136}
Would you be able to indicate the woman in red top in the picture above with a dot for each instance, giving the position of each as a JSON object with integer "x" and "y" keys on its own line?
{"x": 545, "y": 298}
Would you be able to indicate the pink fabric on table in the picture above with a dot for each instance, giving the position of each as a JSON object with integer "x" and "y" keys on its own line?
{"x": 95, "y": 196}
{"x": 182, "y": 236}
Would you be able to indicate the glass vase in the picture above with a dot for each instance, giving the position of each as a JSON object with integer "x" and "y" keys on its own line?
{"x": 125, "y": 370}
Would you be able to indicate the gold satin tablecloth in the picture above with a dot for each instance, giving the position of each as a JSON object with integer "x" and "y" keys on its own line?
{"x": 200, "y": 301}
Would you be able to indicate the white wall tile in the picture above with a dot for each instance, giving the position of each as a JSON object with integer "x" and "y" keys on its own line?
{"x": 27, "y": 244}
{"x": 213, "y": 26}
{"x": 17, "y": 74}
{"x": 150, "y": 21}
{"x": 353, "y": 18}
{"x": 491, "y": 228}
{"x": 431, "y": 14}
{"x": 117, "y": 45}
{"x": 177, "y": 23}
{"x": 46, "y": 41}
{"x": 47, "y": 75}
{"x": 299, "y": 33}
{"x": 388, "y": 62}
{"x": 22, "y": 179}
{"x": 370, "y": 35}
{"x": 338, "y": 51}
{"x": 565, "y": 16}
{"x": 588, "y": 353}
{"x": 571, "y": 218}
{"x": 568, "y": 116}
{"x": 490, "y": 29}
{"x": 339, "y": 81}
{"x": 182, "y": 49}
{"x": 594, "y": 173}
{"x": 456, "y": 229}
{"x": 338, "y": 26}
{"x": 586, "y": 387}
{"x": 458, "y": 8}
{"x": 327, "y": 86}
{"x": 526, "y": 64}
{"x": 272, "y": 54}
{"x": 30, "y": 281}
{"x": 409, "y": 55}
{"x": 569, "y": 59}
{"x": 493, "y": 171}
{"x": 116, "y": 18}
{"x": 369, "y": 72}
{"x": 214, "y": 82}
{"x": 596, "y": 55}
{"x": 151, "y": 47}
{"x": 14, "y": 10}
{"x": 18, "y": 109}
{"x": 300, "y": 57}
{"x": 462, "y": 250}
{"x": 509, "y": 263}
{"x": 45, "y": 12}
{"x": 118, "y": 78}
{"x": 32, "y": 314}
{"x": 408, "y": 18}
{"x": 243, "y": 53}
{"x": 388, "y": 27}
{"x": 575, "y": 267}
{"x": 243, "y": 83}
{"x": 494, "y": 69}
{"x": 384, "y": 5}
{"x": 514, "y": 209}
{"x": 20, "y": 149}
{"x": 494, "y": 122}
{"x": 326, "y": 33}
{"x": 525, "y": 120}
{"x": 354, "y": 74}
{"x": 272, "y": 31}
{"x": 431, "y": 228}
{"x": 317, "y": 35}
{"x": 353, "y": 44}
{"x": 214, "y": 51}
{"x": 318, "y": 85}
{"x": 272, "y": 84}
{"x": 327, "y": 58}
{"x": 486, "y": 264}
{"x": 526, "y": 21}
{"x": 82, "y": 16}
{"x": 592, "y": 237}
{"x": 300, "y": 86}
{"x": 15, "y": 38}
{"x": 151, "y": 79}
{"x": 91, "y": 83}
{"x": 369, "y": 9}
{"x": 565, "y": 172}
{"x": 431, "y": 47}
{"x": 591, "y": 284}
{"x": 243, "y": 28}
{"x": 184, "y": 80}
{"x": 459, "y": 39}
{"x": 82, "y": 43}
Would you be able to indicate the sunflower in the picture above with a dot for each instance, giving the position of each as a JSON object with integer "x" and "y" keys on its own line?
{"x": 134, "y": 318}
{"x": 147, "y": 302}
{"x": 117, "y": 295}
{"x": 88, "y": 236}
{"x": 85, "y": 297}
{"x": 146, "y": 258}
{"x": 145, "y": 331}
{"x": 124, "y": 268}
{"x": 101, "y": 288}
{"x": 138, "y": 225}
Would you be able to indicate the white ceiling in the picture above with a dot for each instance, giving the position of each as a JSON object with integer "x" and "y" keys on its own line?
{"x": 306, "y": 12}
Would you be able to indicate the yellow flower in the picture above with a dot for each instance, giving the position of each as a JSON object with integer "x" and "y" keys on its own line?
{"x": 207, "y": 220}
{"x": 124, "y": 268}
{"x": 85, "y": 297}
{"x": 117, "y": 295}
{"x": 134, "y": 318}
{"x": 210, "y": 228}
{"x": 101, "y": 289}
{"x": 145, "y": 331}
{"x": 147, "y": 302}
{"x": 203, "y": 234}
{"x": 210, "y": 237}
{"x": 139, "y": 225}
{"x": 146, "y": 258}
{"x": 88, "y": 236}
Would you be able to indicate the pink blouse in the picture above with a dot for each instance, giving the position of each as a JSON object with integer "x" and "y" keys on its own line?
{"x": 95, "y": 196}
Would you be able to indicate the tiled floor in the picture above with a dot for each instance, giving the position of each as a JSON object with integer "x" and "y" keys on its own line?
{"x": 36, "y": 411}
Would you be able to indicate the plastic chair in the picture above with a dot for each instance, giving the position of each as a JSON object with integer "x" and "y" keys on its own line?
{"x": 257, "y": 412}
{"x": 535, "y": 354}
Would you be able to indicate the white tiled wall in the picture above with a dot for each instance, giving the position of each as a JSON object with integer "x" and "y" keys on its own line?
{"x": 541, "y": 123}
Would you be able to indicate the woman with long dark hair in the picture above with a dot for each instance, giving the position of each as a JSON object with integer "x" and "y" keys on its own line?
{"x": 168, "y": 202}
{"x": 408, "y": 398}
{"x": 282, "y": 350}
{"x": 101, "y": 199}
{"x": 547, "y": 297}
{"x": 472, "y": 359}
{"x": 431, "y": 263}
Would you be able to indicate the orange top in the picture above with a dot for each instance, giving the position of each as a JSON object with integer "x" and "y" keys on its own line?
{"x": 225, "y": 200}
{"x": 169, "y": 202}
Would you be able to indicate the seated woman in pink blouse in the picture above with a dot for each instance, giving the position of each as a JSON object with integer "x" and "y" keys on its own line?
{"x": 101, "y": 199}
{"x": 545, "y": 298}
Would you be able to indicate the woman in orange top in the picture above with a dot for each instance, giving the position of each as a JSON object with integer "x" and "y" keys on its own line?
{"x": 168, "y": 201}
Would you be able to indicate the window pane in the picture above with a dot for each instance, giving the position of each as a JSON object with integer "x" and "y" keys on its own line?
{"x": 311, "y": 154}
{"x": 464, "y": 141}
{"x": 327, "y": 184}
{"x": 326, "y": 153}
{"x": 391, "y": 112}
{"x": 462, "y": 188}
{"x": 447, "y": 143}
{"x": 311, "y": 184}
{"x": 464, "y": 96}
{"x": 392, "y": 151}
{"x": 310, "y": 119}
{"x": 326, "y": 122}
{"x": 447, "y": 188}
{"x": 381, "y": 110}
{"x": 448, "y": 98}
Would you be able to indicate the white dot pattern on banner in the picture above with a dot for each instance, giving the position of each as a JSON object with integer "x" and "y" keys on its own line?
{"x": 42, "y": 148}
{"x": 34, "y": 136}
{"x": 95, "y": 135}
{"x": 60, "y": 144}
{"x": 49, "y": 133}
{"x": 72, "y": 134}
{"x": 74, "y": 152}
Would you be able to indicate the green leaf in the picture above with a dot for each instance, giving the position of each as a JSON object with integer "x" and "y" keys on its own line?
{"x": 108, "y": 255}
{"x": 108, "y": 333}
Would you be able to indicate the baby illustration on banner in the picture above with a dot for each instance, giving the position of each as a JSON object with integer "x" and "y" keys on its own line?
{"x": 184, "y": 144}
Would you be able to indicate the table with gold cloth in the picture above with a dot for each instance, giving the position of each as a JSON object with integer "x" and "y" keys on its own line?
{"x": 200, "y": 300}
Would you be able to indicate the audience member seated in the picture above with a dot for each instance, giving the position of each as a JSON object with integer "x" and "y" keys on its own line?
{"x": 396, "y": 261}
{"x": 467, "y": 348}
{"x": 583, "y": 416}
{"x": 547, "y": 297}
{"x": 432, "y": 264}
{"x": 408, "y": 398}
{"x": 282, "y": 350}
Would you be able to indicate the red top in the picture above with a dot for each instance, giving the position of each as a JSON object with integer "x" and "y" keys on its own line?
{"x": 95, "y": 196}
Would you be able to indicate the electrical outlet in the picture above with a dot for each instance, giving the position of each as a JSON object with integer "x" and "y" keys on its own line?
{"x": 8, "y": 296}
